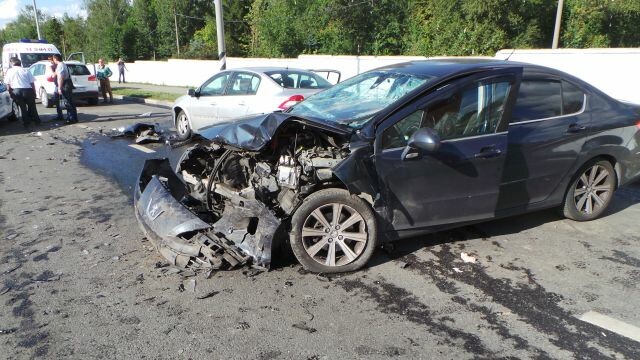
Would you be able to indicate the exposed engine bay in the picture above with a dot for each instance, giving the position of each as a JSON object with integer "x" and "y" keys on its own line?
{"x": 297, "y": 162}
{"x": 238, "y": 199}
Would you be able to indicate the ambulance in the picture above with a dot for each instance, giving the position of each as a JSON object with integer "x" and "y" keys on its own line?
{"x": 28, "y": 51}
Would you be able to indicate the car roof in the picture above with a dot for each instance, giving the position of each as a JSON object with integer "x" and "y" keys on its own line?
{"x": 440, "y": 67}
{"x": 264, "y": 69}
{"x": 70, "y": 62}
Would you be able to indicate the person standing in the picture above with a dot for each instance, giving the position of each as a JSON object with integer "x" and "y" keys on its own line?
{"x": 51, "y": 77}
{"x": 65, "y": 88}
{"x": 21, "y": 84}
{"x": 103, "y": 74}
{"x": 121, "y": 69}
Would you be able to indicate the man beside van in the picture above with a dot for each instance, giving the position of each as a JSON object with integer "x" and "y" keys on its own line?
{"x": 65, "y": 88}
{"x": 21, "y": 85}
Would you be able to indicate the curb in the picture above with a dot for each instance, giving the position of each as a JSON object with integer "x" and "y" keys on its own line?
{"x": 140, "y": 100}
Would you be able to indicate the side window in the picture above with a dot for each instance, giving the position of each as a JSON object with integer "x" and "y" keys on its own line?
{"x": 398, "y": 135}
{"x": 215, "y": 85}
{"x": 244, "y": 84}
{"x": 34, "y": 70}
{"x": 471, "y": 111}
{"x": 572, "y": 98}
{"x": 537, "y": 99}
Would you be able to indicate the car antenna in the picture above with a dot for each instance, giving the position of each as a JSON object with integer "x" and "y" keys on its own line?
{"x": 512, "y": 51}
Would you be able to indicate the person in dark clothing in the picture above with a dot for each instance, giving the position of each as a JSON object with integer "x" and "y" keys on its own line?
{"x": 121, "y": 69}
{"x": 21, "y": 84}
{"x": 65, "y": 88}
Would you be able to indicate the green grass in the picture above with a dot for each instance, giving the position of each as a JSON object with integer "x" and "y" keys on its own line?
{"x": 146, "y": 94}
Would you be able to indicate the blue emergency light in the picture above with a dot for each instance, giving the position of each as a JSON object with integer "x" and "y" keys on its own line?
{"x": 36, "y": 41}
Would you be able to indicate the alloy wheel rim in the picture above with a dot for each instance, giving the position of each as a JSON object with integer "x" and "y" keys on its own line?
{"x": 334, "y": 234}
{"x": 183, "y": 124}
{"x": 593, "y": 190}
{"x": 43, "y": 98}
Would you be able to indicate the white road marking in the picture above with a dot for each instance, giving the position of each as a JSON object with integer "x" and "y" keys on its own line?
{"x": 142, "y": 148}
{"x": 611, "y": 324}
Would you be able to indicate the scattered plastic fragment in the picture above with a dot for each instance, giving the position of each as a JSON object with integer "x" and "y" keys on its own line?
{"x": 468, "y": 258}
{"x": 457, "y": 270}
{"x": 207, "y": 295}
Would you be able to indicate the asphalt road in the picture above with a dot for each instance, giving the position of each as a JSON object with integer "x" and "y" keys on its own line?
{"x": 78, "y": 280}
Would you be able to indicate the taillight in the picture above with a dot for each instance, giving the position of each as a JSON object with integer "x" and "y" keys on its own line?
{"x": 92, "y": 78}
{"x": 292, "y": 100}
{"x": 638, "y": 124}
{"x": 51, "y": 78}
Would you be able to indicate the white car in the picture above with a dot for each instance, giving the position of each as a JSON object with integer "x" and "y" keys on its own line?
{"x": 8, "y": 108}
{"x": 86, "y": 85}
{"x": 244, "y": 91}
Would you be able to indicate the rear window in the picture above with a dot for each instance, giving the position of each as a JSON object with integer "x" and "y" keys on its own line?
{"x": 75, "y": 69}
{"x": 28, "y": 59}
{"x": 298, "y": 79}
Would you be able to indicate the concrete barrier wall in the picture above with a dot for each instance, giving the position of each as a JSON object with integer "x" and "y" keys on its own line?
{"x": 614, "y": 71}
{"x": 178, "y": 72}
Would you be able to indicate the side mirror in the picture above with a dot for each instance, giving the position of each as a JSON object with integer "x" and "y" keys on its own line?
{"x": 425, "y": 139}
{"x": 191, "y": 92}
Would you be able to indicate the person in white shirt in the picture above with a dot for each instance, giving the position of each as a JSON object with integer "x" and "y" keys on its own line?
{"x": 21, "y": 85}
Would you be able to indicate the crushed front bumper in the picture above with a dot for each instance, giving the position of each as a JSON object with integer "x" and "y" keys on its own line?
{"x": 242, "y": 235}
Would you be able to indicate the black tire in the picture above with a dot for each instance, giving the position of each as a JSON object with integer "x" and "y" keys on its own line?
{"x": 92, "y": 101}
{"x": 590, "y": 191}
{"x": 183, "y": 127}
{"x": 350, "y": 253}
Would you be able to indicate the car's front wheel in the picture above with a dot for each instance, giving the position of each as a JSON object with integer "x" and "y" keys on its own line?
{"x": 591, "y": 191}
{"x": 15, "y": 111}
{"x": 44, "y": 98}
{"x": 333, "y": 231}
{"x": 183, "y": 126}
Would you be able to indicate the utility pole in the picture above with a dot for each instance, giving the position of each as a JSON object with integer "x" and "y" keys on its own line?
{"x": 35, "y": 12}
{"x": 175, "y": 19}
{"x": 222, "y": 55}
{"x": 556, "y": 30}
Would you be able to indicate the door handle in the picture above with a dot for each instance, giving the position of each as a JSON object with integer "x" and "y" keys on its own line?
{"x": 242, "y": 104}
{"x": 488, "y": 152}
{"x": 213, "y": 104}
{"x": 576, "y": 128}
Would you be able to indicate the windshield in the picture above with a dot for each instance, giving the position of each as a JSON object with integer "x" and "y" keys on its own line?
{"x": 357, "y": 100}
{"x": 28, "y": 59}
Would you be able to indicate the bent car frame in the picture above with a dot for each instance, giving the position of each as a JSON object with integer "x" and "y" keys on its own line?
{"x": 395, "y": 152}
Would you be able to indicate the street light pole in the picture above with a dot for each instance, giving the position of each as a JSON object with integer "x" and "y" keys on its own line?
{"x": 222, "y": 56}
{"x": 556, "y": 30}
{"x": 35, "y": 11}
{"x": 175, "y": 19}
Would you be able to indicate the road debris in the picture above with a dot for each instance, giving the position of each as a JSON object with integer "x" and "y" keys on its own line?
{"x": 403, "y": 265}
{"x": 190, "y": 285}
{"x": 457, "y": 270}
{"x": 468, "y": 258}
{"x": 303, "y": 326}
{"x": 143, "y": 132}
{"x": 12, "y": 236}
{"x": 207, "y": 295}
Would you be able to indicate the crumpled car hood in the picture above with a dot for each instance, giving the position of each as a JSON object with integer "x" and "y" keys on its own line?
{"x": 253, "y": 133}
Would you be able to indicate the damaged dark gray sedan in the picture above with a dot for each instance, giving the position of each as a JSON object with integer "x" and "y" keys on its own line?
{"x": 395, "y": 152}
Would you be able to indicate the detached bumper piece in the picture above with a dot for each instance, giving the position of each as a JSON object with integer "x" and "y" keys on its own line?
{"x": 187, "y": 241}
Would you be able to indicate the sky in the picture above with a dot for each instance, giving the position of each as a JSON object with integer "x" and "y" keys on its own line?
{"x": 9, "y": 9}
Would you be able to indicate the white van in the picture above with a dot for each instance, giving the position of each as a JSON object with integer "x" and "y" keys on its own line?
{"x": 28, "y": 51}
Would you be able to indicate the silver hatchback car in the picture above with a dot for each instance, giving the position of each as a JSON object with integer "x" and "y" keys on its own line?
{"x": 244, "y": 91}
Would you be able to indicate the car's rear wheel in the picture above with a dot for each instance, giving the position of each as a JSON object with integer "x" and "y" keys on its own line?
{"x": 591, "y": 191}
{"x": 182, "y": 126}
{"x": 333, "y": 231}
{"x": 44, "y": 98}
